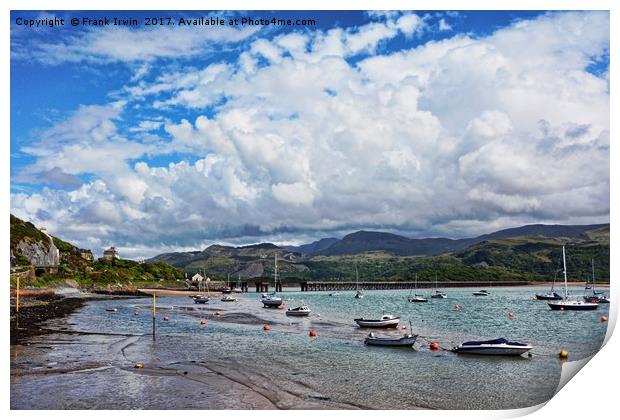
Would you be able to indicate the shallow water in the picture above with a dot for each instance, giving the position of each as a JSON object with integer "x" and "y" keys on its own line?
{"x": 286, "y": 368}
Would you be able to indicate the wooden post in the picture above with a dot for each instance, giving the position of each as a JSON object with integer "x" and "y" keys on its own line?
{"x": 154, "y": 299}
{"x": 17, "y": 297}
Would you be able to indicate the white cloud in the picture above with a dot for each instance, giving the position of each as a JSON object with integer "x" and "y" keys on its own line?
{"x": 460, "y": 136}
{"x": 121, "y": 44}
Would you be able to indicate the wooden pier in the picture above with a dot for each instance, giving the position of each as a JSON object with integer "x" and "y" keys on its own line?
{"x": 263, "y": 286}
{"x": 385, "y": 285}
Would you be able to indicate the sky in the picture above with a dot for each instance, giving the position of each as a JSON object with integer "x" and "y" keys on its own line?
{"x": 441, "y": 123}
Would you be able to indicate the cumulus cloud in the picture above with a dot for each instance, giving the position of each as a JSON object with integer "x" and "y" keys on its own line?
{"x": 454, "y": 137}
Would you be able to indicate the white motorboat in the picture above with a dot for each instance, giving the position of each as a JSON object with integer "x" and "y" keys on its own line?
{"x": 299, "y": 311}
{"x": 406, "y": 340}
{"x": 481, "y": 293}
{"x": 272, "y": 300}
{"x": 201, "y": 299}
{"x": 228, "y": 298}
{"x": 567, "y": 304}
{"x": 497, "y": 347}
{"x": 386, "y": 321}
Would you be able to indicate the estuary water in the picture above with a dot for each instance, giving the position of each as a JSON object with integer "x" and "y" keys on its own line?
{"x": 231, "y": 362}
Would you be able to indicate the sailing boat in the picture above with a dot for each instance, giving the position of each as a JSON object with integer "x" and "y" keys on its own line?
{"x": 227, "y": 297}
{"x": 227, "y": 289}
{"x": 271, "y": 300}
{"x": 358, "y": 293}
{"x": 595, "y": 297}
{"x": 551, "y": 295}
{"x": 237, "y": 289}
{"x": 200, "y": 298}
{"x": 438, "y": 294}
{"x": 570, "y": 305}
{"x": 416, "y": 297}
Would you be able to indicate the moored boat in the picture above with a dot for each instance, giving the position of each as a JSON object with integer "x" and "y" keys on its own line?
{"x": 595, "y": 297}
{"x": 549, "y": 296}
{"x": 416, "y": 297}
{"x": 567, "y": 304}
{"x": 438, "y": 294}
{"x": 299, "y": 311}
{"x": 497, "y": 347}
{"x": 386, "y": 321}
{"x": 406, "y": 340}
{"x": 481, "y": 293}
{"x": 272, "y": 300}
{"x": 201, "y": 299}
{"x": 228, "y": 298}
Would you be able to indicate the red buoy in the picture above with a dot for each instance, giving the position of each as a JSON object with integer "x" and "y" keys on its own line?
{"x": 561, "y": 308}
{"x": 434, "y": 346}
{"x": 166, "y": 318}
{"x": 312, "y": 333}
{"x": 266, "y": 327}
{"x": 203, "y": 321}
{"x": 511, "y": 315}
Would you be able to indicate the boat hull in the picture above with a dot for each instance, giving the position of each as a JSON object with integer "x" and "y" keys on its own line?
{"x": 418, "y": 300}
{"x": 572, "y": 306}
{"x": 406, "y": 341}
{"x": 547, "y": 297}
{"x": 271, "y": 303}
{"x": 298, "y": 313}
{"x": 371, "y": 323}
{"x": 489, "y": 350}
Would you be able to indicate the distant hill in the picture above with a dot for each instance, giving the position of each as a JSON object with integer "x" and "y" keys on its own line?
{"x": 364, "y": 241}
{"x": 315, "y": 247}
{"x": 527, "y": 253}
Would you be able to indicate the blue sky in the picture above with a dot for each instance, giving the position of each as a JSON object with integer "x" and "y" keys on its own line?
{"x": 427, "y": 123}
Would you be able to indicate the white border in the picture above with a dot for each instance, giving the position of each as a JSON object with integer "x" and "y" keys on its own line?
{"x": 590, "y": 394}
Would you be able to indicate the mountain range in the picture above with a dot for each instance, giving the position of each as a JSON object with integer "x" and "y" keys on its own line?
{"x": 525, "y": 253}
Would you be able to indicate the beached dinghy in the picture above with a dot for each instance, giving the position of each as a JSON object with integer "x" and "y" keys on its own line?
{"x": 386, "y": 321}
{"x": 299, "y": 311}
{"x": 406, "y": 340}
{"x": 497, "y": 347}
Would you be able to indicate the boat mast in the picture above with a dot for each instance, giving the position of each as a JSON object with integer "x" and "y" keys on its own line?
{"x": 275, "y": 274}
{"x": 565, "y": 279}
{"x": 357, "y": 279}
{"x": 593, "y": 276}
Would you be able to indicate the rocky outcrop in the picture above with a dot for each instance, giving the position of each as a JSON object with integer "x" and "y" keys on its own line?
{"x": 39, "y": 252}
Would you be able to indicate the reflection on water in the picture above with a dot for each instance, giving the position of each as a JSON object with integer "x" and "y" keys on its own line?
{"x": 286, "y": 368}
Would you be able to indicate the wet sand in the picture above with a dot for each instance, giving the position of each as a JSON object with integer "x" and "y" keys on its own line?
{"x": 68, "y": 369}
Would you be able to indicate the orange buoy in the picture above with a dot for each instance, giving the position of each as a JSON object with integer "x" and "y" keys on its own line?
{"x": 563, "y": 354}
{"x": 434, "y": 346}
{"x": 603, "y": 318}
{"x": 203, "y": 321}
{"x": 166, "y": 318}
{"x": 138, "y": 365}
{"x": 312, "y": 333}
{"x": 266, "y": 327}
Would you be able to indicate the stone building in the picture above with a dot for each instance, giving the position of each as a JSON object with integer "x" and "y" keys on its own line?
{"x": 110, "y": 254}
